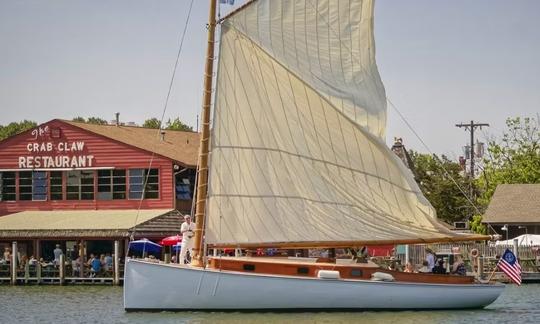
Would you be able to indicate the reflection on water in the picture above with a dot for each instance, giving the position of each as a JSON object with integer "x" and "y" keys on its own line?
{"x": 93, "y": 304}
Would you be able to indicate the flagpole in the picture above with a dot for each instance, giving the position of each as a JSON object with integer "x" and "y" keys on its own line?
{"x": 492, "y": 273}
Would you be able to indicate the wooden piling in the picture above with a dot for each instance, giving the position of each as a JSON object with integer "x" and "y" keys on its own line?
{"x": 62, "y": 269}
{"x": 116, "y": 263}
{"x": 82, "y": 255}
{"x": 481, "y": 267}
{"x": 38, "y": 273}
{"x": 26, "y": 272}
{"x": 14, "y": 263}
{"x": 38, "y": 249}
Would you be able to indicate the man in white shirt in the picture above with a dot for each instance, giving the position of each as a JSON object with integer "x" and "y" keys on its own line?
{"x": 187, "y": 230}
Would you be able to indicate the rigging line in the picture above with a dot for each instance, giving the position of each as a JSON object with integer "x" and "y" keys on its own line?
{"x": 180, "y": 47}
{"x": 176, "y": 63}
{"x": 430, "y": 151}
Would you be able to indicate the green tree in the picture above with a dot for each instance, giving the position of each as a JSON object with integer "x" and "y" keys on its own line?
{"x": 96, "y": 120}
{"x": 90, "y": 120}
{"x": 175, "y": 124}
{"x": 152, "y": 123}
{"x": 477, "y": 226}
{"x": 437, "y": 178}
{"x": 513, "y": 158}
{"x": 15, "y": 128}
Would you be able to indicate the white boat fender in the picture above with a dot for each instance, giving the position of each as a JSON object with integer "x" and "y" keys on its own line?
{"x": 328, "y": 274}
{"x": 381, "y": 276}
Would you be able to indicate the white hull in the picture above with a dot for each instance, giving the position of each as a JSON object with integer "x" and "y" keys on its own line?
{"x": 151, "y": 286}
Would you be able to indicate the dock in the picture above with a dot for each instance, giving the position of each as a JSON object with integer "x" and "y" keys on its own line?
{"x": 62, "y": 273}
{"x": 59, "y": 281}
{"x": 526, "y": 277}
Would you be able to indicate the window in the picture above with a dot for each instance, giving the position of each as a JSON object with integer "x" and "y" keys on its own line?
{"x": 356, "y": 273}
{"x": 183, "y": 191}
{"x": 33, "y": 185}
{"x": 137, "y": 179}
{"x": 25, "y": 185}
{"x": 111, "y": 184}
{"x": 57, "y": 192}
{"x": 56, "y": 132}
{"x": 80, "y": 185}
{"x": 248, "y": 267}
{"x": 119, "y": 184}
{"x": 7, "y": 186}
{"x": 39, "y": 185}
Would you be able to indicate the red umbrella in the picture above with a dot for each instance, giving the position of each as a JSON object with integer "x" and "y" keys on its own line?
{"x": 171, "y": 240}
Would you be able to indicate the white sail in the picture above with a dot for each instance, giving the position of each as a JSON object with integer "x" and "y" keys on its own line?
{"x": 297, "y": 150}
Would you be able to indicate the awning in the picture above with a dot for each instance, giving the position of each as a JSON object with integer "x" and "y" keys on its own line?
{"x": 90, "y": 223}
{"x": 523, "y": 240}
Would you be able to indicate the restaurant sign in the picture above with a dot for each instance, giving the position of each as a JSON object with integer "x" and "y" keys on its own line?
{"x": 47, "y": 150}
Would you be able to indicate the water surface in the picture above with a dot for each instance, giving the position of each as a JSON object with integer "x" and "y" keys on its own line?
{"x": 102, "y": 304}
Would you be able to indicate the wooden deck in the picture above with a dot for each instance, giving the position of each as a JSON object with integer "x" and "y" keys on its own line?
{"x": 309, "y": 267}
{"x": 31, "y": 275}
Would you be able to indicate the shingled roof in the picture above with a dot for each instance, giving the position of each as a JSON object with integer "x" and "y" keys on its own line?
{"x": 91, "y": 223}
{"x": 514, "y": 203}
{"x": 179, "y": 146}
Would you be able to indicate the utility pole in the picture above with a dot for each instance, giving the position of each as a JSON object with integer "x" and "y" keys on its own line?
{"x": 471, "y": 128}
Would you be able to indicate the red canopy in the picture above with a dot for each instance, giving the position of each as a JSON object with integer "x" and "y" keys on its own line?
{"x": 171, "y": 240}
{"x": 381, "y": 250}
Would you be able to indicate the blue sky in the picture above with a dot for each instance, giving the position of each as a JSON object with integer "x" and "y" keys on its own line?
{"x": 442, "y": 62}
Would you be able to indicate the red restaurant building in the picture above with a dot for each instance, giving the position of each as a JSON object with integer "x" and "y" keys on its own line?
{"x": 84, "y": 186}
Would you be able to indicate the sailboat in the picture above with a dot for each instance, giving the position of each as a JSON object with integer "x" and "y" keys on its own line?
{"x": 295, "y": 158}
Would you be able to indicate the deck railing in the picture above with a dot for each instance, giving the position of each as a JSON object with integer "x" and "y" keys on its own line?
{"x": 52, "y": 274}
{"x": 529, "y": 256}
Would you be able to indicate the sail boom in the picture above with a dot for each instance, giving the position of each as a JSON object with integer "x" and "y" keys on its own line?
{"x": 346, "y": 244}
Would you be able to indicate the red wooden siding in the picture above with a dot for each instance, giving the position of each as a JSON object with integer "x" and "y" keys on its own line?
{"x": 106, "y": 153}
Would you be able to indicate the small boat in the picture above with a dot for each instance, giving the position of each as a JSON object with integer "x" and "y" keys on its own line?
{"x": 297, "y": 160}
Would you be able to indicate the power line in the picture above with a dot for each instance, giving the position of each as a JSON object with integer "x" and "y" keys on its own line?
{"x": 467, "y": 197}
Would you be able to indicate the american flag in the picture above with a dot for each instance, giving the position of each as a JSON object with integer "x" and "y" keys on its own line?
{"x": 509, "y": 264}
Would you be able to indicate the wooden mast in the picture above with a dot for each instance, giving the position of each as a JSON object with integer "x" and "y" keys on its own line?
{"x": 202, "y": 184}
